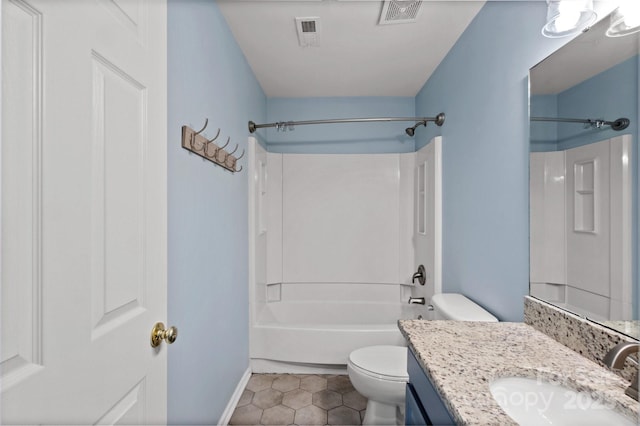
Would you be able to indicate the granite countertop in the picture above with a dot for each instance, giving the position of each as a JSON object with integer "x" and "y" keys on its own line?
{"x": 461, "y": 358}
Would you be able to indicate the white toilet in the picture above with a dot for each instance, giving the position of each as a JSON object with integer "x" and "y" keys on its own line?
{"x": 380, "y": 372}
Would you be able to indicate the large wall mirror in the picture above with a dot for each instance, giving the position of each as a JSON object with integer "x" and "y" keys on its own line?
{"x": 584, "y": 178}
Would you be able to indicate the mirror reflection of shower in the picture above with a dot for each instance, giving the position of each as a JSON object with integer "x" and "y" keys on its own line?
{"x": 589, "y": 123}
{"x": 581, "y": 229}
{"x": 584, "y": 178}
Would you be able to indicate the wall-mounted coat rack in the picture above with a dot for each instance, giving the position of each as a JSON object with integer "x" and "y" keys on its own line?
{"x": 206, "y": 148}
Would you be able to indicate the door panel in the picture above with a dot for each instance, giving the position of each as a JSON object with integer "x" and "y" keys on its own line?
{"x": 21, "y": 183}
{"x": 129, "y": 410}
{"x": 83, "y": 211}
{"x": 118, "y": 238}
{"x": 131, "y": 14}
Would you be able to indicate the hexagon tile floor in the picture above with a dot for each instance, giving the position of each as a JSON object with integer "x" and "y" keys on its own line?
{"x": 299, "y": 399}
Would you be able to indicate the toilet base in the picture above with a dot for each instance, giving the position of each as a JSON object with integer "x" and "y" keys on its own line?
{"x": 381, "y": 414}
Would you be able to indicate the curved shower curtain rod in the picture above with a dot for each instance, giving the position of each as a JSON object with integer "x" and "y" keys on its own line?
{"x": 619, "y": 124}
{"x": 284, "y": 125}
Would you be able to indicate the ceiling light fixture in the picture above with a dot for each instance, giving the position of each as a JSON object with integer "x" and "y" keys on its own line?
{"x": 568, "y": 17}
{"x": 625, "y": 19}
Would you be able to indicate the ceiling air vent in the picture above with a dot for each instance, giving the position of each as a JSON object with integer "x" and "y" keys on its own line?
{"x": 399, "y": 11}
{"x": 308, "y": 31}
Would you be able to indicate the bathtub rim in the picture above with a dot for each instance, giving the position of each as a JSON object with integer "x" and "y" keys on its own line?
{"x": 269, "y": 366}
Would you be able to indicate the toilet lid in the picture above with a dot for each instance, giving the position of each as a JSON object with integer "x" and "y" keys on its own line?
{"x": 382, "y": 361}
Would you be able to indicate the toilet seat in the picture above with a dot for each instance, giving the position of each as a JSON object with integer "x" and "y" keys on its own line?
{"x": 381, "y": 362}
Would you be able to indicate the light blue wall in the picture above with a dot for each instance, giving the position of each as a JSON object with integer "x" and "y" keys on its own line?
{"x": 482, "y": 86}
{"x": 615, "y": 91}
{"x": 544, "y": 135}
{"x": 349, "y": 138}
{"x": 208, "y": 296}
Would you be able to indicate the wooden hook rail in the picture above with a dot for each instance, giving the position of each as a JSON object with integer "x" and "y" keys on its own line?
{"x": 206, "y": 148}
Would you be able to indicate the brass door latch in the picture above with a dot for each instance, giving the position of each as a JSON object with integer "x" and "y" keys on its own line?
{"x": 158, "y": 334}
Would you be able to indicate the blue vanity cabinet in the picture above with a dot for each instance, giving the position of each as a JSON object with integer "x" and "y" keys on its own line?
{"x": 414, "y": 411}
{"x": 423, "y": 404}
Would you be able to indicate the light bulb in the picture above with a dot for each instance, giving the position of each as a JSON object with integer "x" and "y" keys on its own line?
{"x": 568, "y": 17}
{"x": 625, "y": 19}
{"x": 631, "y": 12}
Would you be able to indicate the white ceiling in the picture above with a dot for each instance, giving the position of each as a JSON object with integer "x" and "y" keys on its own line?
{"x": 356, "y": 56}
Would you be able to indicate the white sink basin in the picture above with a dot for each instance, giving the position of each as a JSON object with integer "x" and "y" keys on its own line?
{"x": 536, "y": 402}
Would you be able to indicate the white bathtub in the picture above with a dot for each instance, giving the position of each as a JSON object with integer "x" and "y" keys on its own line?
{"x": 324, "y": 333}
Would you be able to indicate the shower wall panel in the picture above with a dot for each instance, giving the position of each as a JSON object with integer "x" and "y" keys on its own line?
{"x": 274, "y": 218}
{"x": 342, "y": 218}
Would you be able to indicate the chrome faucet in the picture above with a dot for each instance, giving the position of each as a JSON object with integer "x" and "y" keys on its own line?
{"x": 615, "y": 359}
{"x": 416, "y": 300}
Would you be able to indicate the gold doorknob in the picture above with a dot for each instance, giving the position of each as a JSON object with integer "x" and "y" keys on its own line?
{"x": 158, "y": 334}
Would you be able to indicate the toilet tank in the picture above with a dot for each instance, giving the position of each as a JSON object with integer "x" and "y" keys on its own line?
{"x": 455, "y": 306}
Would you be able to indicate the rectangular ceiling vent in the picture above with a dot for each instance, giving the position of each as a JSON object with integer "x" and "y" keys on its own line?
{"x": 399, "y": 11}
{"x": 308, "y": 31}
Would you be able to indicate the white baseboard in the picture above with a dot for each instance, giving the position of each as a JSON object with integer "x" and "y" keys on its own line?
{"x": 231, "y": 405}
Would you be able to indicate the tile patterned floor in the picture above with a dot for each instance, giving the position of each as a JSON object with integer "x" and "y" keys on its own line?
{"x": 299, "y": 399}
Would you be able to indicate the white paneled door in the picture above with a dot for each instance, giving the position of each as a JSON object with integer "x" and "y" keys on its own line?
{"x": 83, "y": 211}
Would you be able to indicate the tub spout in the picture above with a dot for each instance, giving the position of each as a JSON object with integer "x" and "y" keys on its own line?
{"x": 416, "y": 301}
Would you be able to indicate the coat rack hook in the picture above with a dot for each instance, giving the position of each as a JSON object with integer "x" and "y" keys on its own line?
{"x": 239, "y": 170}
{"x": 205, "y": 151}
{"x": 224, "y": 146}
{"x": 241, "y": 155}
{"x": 206, "y": 122}
{"x": 234, "y": 150}
{"x": 215, "y": 137}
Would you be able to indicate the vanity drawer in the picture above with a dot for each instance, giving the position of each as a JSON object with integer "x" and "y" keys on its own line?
{"x": 424, "y": 396}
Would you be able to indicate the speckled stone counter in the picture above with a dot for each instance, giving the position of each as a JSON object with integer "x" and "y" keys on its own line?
{"x": 588, "y": 338}
{"x": 461, "y": 359}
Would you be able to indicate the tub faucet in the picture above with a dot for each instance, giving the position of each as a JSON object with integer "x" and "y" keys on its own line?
{"x": 416, "y": 300}
{"x": 421, "y": 275}
{"x": 615, "y": 359}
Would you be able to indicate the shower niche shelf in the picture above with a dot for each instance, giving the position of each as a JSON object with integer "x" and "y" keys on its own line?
{"x": 584, "y": 197}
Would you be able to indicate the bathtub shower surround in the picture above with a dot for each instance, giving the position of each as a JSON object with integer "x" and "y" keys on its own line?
{"x": 337, "y": 239}
{"x": 332, "y": 255}
{"x": 589, "y": 339}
